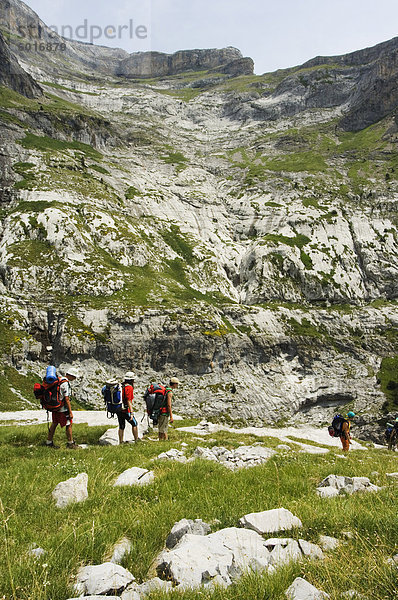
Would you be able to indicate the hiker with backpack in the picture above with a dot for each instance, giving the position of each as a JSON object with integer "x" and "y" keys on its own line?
{"x": 118, "y": 399}
{"x": 55, "y": 394}
{"x": 166, "y": 412}
{"x": 340, "y": 427}
{"x": 158, "y": 400}
{"x": 391, "y": 434}
{"x": 126, "y": 414}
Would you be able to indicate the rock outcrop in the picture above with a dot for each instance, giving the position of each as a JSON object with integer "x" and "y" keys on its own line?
{"x": 158, "y": 64}
{"x": 13, "y": 76}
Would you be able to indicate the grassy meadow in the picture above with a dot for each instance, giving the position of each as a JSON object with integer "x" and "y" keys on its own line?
{"x": 85, "y": 533}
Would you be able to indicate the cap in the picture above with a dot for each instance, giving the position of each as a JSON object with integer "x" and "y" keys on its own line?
{"x": 111, "y": 382}
{"x": 174, "y": 380}
{"x": 129, "y": 375}
{"x": 73, "y": 372}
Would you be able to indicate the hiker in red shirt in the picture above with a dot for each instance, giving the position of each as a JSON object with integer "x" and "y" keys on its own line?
{"x": 126, "y": 414}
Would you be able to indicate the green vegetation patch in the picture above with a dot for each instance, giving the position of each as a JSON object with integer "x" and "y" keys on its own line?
{"x": 175, "y": 158}
{"x": 180, "y": 243}
{"x": 24, "y": 169}
{"x": 298, "y": 241}
{"x": 47, "y": 144}
{"x": 388, "y": 377}
{"x": 16, "y": 390}
{"x": 132, "y": 193}
{"x": 311, "y": 162}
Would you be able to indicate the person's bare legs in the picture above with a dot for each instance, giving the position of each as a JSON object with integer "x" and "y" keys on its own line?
{"x": 51, "y": 431}
{"x": 121, "y": 435}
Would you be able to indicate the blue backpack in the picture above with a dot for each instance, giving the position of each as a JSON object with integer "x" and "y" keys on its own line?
{"x": 113, "y": 399}
{"x": 335, "y": 429}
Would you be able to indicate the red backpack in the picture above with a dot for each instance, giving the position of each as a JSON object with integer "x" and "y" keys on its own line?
{"x": 49, "y": 394}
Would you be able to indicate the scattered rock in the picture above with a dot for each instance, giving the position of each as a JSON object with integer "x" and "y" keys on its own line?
{"x": 303, "y": 590}
{"x": 196, "y": 527}
{"x": 392, "y": 475}
{"x": 327, "y": 492}
{"x": 70, "y": 491}
{"x": 134, "y": 476}
{"x": 100, "y": 598}
{"x": 393, "y": 561}
{"x": 222, "y": 557}
{"x": 311, "y": 550}
{"x": 195, "y": 561}
{"x": 36, "y": 552}
{"x": 353, "y": 594}
{"x": 348, "y": 535}
{"x": 102, "y": 579}
{"x": 283, "y": 551}
{"x": 137, "y": 592}
{"x": 120, "y": 550}
{"x": 344, "y": 485}
{"x": 245, "y": 456}
{"x": 270, "y": 521}
{"x": 283, "y": 447}
{"x": 328, "y": 543}
{"x": 173, "y": 454}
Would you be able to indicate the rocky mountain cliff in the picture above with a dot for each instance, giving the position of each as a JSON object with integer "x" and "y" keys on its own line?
{"x": 236, "y": 230}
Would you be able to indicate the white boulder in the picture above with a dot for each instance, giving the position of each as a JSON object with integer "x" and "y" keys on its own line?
{"x": 270, "y": 521}
{"x": 138, "y": 592}
{"x": 70, "y": 491}
{"x": 195, "y": 561}
{"x": 344, "y": 485}
{"x": 328, "y": 542}
{"x": 120, "y": 550}
{"x": 196, "y": 527}
{"x": 303, "y": 590}
{"x": 392, "y": 475}
{"x": 134, "y": 476}
{"x": 248, "y": 549}
{"x": 102, "y": 580}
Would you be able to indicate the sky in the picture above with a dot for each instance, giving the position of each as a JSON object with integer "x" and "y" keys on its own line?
{"x": 275, "y": 33}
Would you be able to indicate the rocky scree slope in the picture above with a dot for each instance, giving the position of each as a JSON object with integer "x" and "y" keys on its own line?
{"x": 227, "y": 228}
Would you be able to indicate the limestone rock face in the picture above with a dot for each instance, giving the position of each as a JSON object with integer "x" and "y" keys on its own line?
{"x": 70, "y": 491}
{"x": 12, "y": 75}
{"x": 202, "y": 223}
{"x": 156, "y": 64}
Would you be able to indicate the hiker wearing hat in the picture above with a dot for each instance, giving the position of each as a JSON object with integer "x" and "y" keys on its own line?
{"x": 63, "y": 416}
{"x": 345, "y": 436}
{"x": 126, "y": 414}
{"x": 166, "y": 413}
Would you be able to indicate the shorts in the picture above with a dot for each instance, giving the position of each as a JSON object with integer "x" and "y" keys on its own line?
{"x": 62, "y": 418}
{"x": 124, "y": 417}
{"x": 163, "y": 423}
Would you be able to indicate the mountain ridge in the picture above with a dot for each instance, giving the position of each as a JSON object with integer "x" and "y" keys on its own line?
{"x": 227, "y": 228}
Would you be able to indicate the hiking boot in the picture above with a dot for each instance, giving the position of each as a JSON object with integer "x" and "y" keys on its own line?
{"x": 72, "y": 446}
{"x": 52, "y": 445}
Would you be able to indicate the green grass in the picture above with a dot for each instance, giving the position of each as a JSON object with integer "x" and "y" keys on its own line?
{"x": 298, "y": 241}
{"x": 84, "y": 533}
{"x": 388, "y": 377}
{"x": 47, "y": 144}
